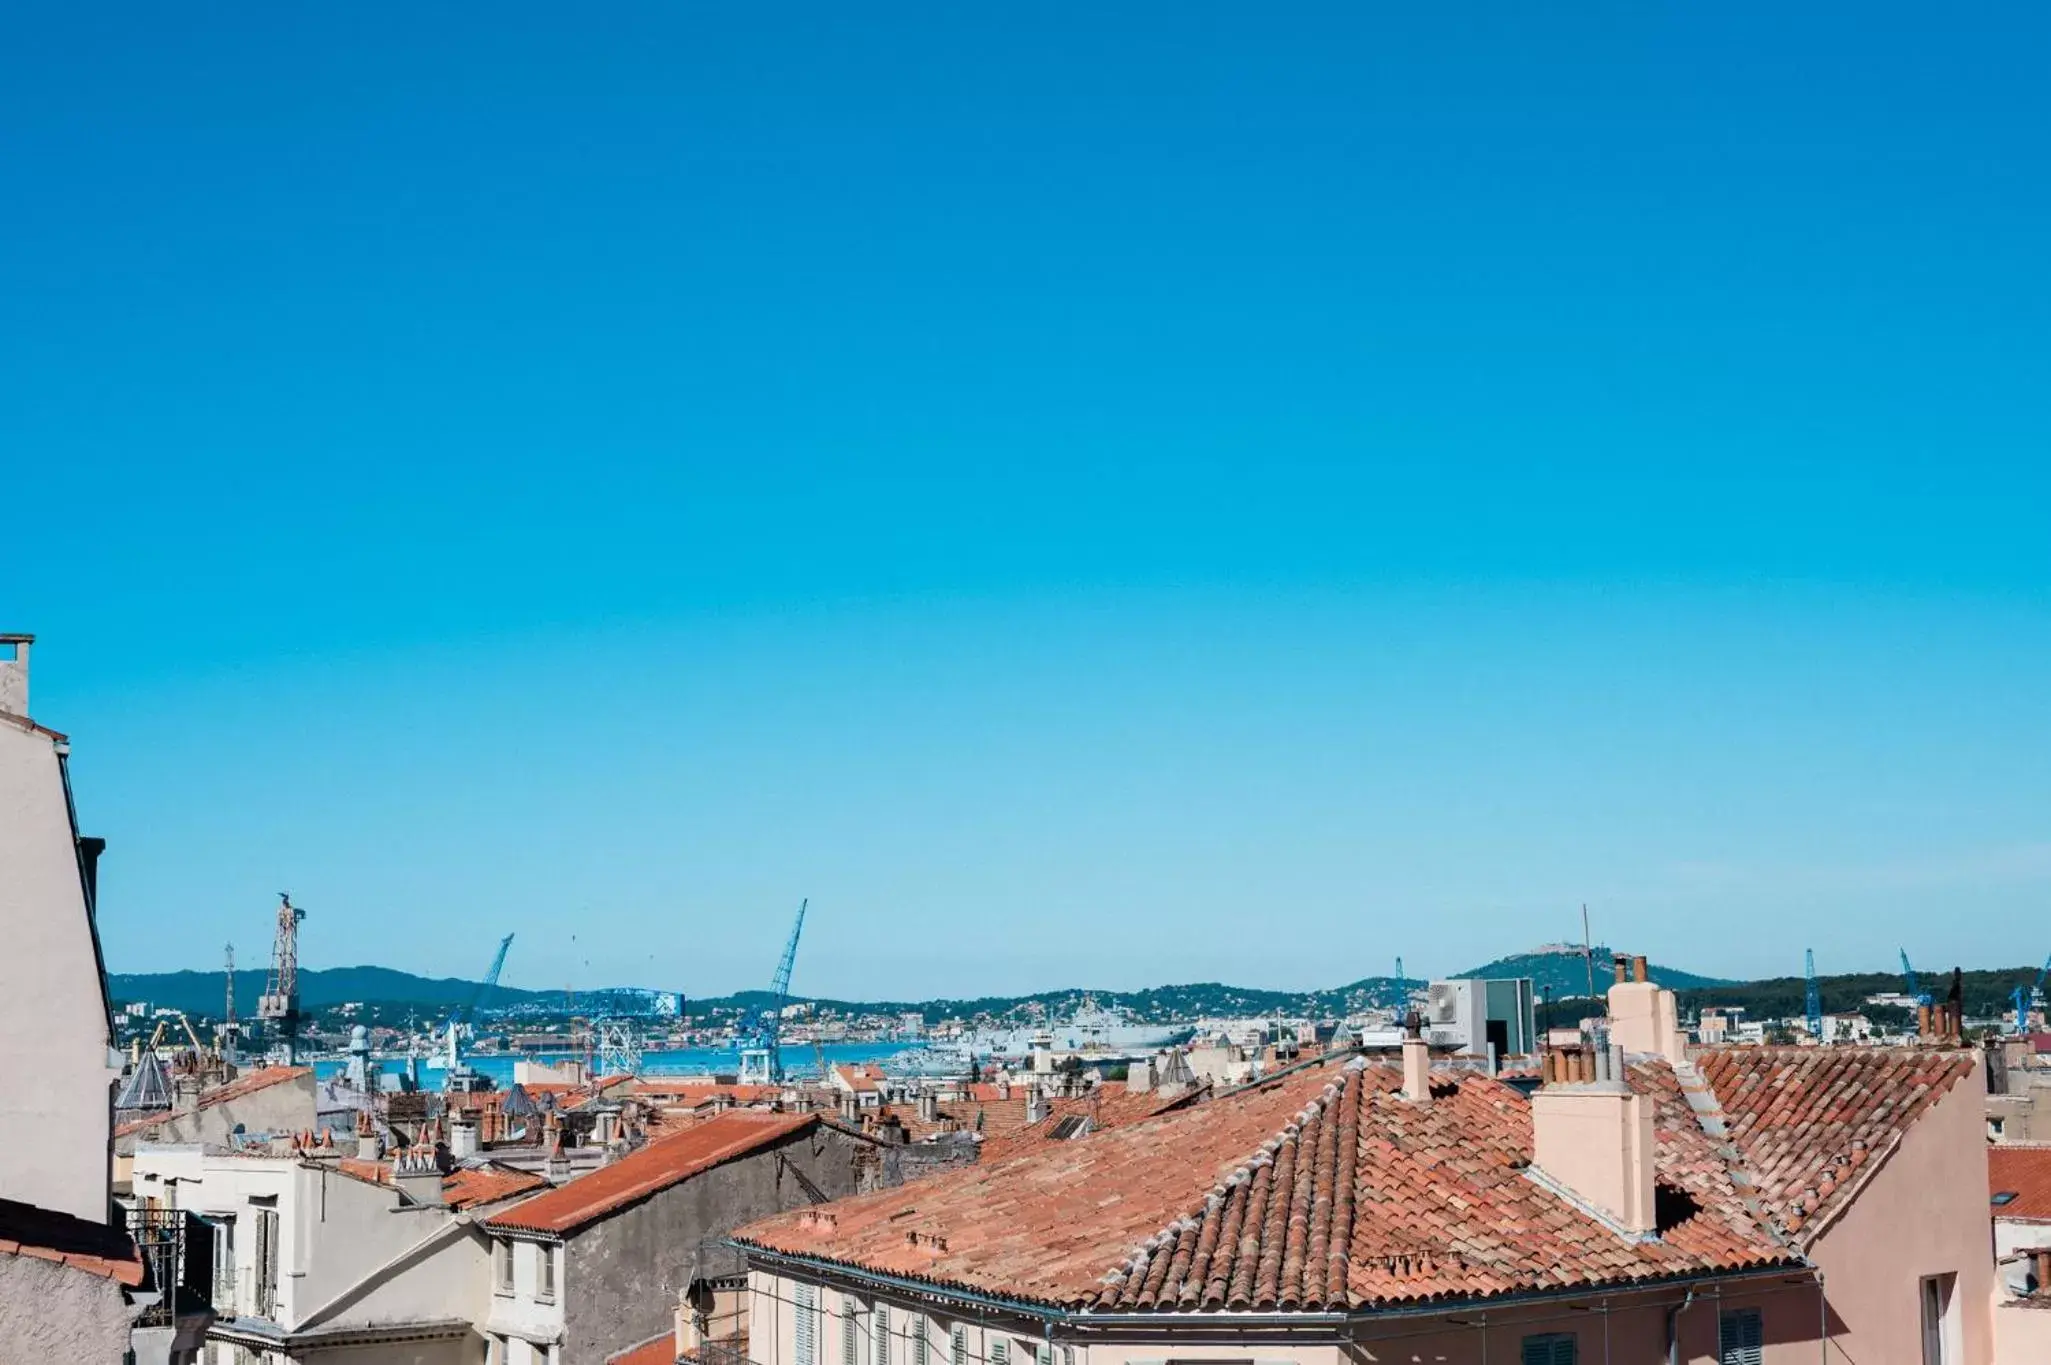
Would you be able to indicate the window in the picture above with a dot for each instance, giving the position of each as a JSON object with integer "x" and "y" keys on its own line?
{"x": 1940, "y": 1319}
{"x": 849, "y": 1338}
{"x": 1550, "y": 1348}
{"x": 917, "y": 1328}
{"x": 961, "y": 1346}
{"x": 2005, "y": 1197}
{"x": 544, "y": 1276}
{"x": 805, "y": 1334}
{"x": 266, "y": 1262}
{"x": 224, "y": 1268}
{"x": 1043, "y": 1354}
{"x": 879, "y": 1323}
{"x": 1740, "y": 1338}
{"x": 501, "y": 1266}
{"x": 1000, "y": 1352}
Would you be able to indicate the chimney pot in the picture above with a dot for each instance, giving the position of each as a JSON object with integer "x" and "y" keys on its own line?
{"x": 1638, "y": 968}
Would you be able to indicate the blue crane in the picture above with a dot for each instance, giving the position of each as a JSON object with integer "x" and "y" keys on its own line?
{"x": 2024, "y": 997}
{"x": 1812, "y": 997}
{"x": 761, "y": 1045}
{"x": 488, "y": 985}
{"x": 1908, "y": 973}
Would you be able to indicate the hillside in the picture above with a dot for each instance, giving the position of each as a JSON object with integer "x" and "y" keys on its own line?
{"x": 1562, "y": 971}
{"x": 200, "y": 993}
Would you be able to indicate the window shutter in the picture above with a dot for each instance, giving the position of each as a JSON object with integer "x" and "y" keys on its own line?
{"x": 918, "y": 1331}
{"x": 806, "y": 1340}
{"x": 1043, "y": 1354}
{"x": 1741, "y": 1338}
{"x": 1553, "y": 1348}
{"x": 1000, "y": 1352}
{"x": 961, "y": 1346}
{"x": 848, "y": 1309}
{"x": 880, "y": 1325}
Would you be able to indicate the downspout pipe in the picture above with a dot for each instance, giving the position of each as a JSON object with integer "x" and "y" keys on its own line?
{"x": 1673, "y": 1327}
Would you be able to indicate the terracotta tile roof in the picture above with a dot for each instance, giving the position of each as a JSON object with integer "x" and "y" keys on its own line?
{"x": 2023, "y": 1170}
{"x": 466, "y": 1187}
{"x": 1002, "y": 1122}
{"x": 1810, "y": 1121}
{"x": 1319, "y": 1189}
{"x": 653, "y": 1168}
{"x": 94, "y": 1248}
{"x": 661, "y": 1351}
{"x": 248, "y": 1083}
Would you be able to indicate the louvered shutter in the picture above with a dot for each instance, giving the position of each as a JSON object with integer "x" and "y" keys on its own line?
{"x": 961, "y": 1346}
{"x": 1741, "y": 1338}
{"x": 880, "y": 1324}
{"x": 805, "y": 1297}
{"x": 848, "y": 1310}
{"x": 1000, "y": 1352}
{"x": 1553, "y": 1348}
{"x": 918, "y": 1331}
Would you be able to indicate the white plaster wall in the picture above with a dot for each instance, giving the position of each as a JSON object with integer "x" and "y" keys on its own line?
{"x": 56, "y": 1105}
{"x": 1627, "y": 1327}
{"x": 524, "y": 1314}
{"x": 49, "y": 1312}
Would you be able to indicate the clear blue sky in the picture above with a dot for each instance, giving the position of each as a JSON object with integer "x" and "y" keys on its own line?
{"x": 1199, "y": 492}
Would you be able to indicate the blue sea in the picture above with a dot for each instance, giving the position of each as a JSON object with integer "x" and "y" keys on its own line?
{"x": 799, "y": 1062}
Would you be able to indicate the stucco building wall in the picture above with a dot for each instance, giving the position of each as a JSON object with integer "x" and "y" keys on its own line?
{"x": 50, "y": 1312}
{"x": 1924, "y": 1212}
{"x": 623, "y": 1273}
{"x": 56, "y": 1110}
{"x": 1622, "y": 1327}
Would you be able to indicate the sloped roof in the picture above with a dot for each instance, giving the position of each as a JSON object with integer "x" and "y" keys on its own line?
{"x": 248, "y": 1083}
{"x": 661, "y": 1164}
{"x": 95, "y": 1248}
{"x": 2024, "y": 1171}
{"x": 1320, "y": 1189}
{"x": 1809, "y": 1121}
{"x": 469, "y": 1186}
{"x": 660, "y": 1351}
{"x": 147, "y": 1087}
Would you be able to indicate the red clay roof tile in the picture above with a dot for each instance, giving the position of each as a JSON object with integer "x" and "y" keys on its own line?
{"x": 661, "y": 1164}
{"x": 1809, "y": 1121}
{"x": 661, "y": 1351}
{"x": 1321, "y": 1188}
{"x": 2024, "y": 1171}
{"x": 94, "y": 1248}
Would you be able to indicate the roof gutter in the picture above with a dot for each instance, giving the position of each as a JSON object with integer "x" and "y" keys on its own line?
{"x": 1085, "y": 1318}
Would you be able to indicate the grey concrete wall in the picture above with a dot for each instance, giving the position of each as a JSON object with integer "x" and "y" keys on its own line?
{"x": 52, "y": 1312}
{"x": 287, "y": 1107}
{"x": 622, "y": 1275}
{"x": 56, "y": 1109}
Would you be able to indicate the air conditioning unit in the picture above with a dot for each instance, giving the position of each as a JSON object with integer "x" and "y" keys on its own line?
{"x": 1442, "y": 1003}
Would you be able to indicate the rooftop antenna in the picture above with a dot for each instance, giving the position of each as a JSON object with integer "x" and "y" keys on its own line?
{"x": 226, "y": 1039}
{"x": 1587, "y": 950}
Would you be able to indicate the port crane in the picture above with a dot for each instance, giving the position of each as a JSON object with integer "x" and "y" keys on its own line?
{"x": 1908, "y": 975}
{"x": 761, "y": 1043}
{"x": 2024, "y": 995}
{"x": 278, "y": 1006}
{"x": 459, "y": 1076}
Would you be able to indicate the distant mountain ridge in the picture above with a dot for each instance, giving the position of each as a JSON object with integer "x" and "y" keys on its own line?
{"x": 200, "y": 993}
{"x": 319, "y": 988}
{"x": 1561, "y": 969}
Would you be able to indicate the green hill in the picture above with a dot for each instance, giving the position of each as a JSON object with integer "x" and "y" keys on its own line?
{"x": 201, "y": 993}
{"x": 1563, "y": 971}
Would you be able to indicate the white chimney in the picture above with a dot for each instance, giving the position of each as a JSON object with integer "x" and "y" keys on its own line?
{"x": 1036, "y": 1105}
{"x": 463, "y": 1142}
{"x": 929, "y": 1107}
{"x": 14, "y": 674}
